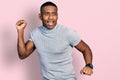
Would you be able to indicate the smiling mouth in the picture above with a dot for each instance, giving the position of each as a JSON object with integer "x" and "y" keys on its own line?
{"x": 50, "y": 22}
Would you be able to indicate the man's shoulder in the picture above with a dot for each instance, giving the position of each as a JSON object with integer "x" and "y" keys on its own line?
{"x": 66, "y": 28}
{"x": 35, "y": 29}
{"x": 63, "y": 27}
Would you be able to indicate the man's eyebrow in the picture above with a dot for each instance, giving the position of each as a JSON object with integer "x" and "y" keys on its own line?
{"x": 49, "y": 12}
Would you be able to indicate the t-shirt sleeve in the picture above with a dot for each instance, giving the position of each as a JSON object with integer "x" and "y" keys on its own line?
{"x": 73, "y": 38}
{"x": 31, "y": 37}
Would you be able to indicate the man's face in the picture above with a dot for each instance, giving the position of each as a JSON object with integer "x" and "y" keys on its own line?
{"x": 49, "y": 16}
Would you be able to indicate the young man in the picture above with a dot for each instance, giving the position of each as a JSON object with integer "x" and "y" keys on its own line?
{"x": 54, "y": 44}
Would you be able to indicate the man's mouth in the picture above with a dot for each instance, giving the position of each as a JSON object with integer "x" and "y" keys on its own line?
{"x": 50, "y": 22}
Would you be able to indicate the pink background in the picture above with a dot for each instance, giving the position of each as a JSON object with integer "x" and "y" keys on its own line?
{"x": 97, "y": 21}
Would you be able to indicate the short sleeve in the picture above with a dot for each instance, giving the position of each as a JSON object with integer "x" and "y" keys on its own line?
{"x": 32, "y": 34}
{"x": 73, "y": 38}
{"x": 30, "y": 38}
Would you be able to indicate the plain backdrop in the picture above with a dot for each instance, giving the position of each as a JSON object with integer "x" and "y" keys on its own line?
{"x": 97, "y": 22}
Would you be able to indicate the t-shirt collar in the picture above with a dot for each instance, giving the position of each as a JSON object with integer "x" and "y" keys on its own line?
{"x": 46, "y": 30}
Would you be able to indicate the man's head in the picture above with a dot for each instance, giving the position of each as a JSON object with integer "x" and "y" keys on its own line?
{"x": 48, "y": 15}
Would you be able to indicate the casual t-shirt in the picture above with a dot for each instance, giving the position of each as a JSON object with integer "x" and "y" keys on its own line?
{"x": 54, "y": 48}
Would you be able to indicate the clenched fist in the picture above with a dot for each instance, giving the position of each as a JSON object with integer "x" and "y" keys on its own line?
{"x": 86, "y": 71}
{"x": 21, "y": 24}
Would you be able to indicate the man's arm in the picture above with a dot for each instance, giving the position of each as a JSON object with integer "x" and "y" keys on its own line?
{"x": 24, "y": 49}
{"x": 87, "y": 54}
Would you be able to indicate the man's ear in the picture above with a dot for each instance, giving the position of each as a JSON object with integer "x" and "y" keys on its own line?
{"x": 40, "y": 17}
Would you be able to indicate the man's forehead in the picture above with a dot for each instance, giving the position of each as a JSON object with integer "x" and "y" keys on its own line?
{"x": 49, "y": 8}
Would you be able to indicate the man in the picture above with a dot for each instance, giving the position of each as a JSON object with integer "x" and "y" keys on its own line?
{"x": 54, "y": 44}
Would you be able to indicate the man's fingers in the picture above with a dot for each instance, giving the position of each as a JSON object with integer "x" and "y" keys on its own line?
{"x": 81, "y": 72}
{"x": 86, "y": 71}
{"x": 21, "y": 24}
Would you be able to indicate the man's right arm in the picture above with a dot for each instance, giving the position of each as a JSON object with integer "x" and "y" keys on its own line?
{"x": 24, "y": 49}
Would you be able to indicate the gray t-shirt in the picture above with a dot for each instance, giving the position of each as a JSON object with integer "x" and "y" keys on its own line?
{"x": 55, "y": 51}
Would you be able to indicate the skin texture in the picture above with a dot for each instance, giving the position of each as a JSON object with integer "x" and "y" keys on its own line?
{"x": 49, "y": 17}
{"x": 87, "y": 54}
{"x": 24, "y": 49}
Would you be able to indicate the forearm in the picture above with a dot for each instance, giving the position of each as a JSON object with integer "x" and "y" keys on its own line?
{"x": 88, "y": 68}
{"x": 21, "y": 44}
{"x": 87, "y": 53}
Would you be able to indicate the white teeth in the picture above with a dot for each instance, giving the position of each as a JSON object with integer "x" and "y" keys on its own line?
{"x": 50, "y": 23}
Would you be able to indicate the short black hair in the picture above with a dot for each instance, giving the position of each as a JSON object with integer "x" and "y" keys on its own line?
{"x": 47, "y": 4}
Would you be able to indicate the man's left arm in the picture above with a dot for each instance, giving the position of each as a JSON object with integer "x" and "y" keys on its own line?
{"x": 87, "y": 54}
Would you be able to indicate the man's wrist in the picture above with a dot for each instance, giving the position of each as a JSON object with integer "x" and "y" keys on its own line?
{"x": 89, "y": 65}
{"x": 20, "y": 30}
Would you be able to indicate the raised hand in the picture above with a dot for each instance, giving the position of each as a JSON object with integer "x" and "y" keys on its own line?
{"x": 21, "y": 24}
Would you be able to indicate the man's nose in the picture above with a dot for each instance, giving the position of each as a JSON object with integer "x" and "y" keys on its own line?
{"x": 50, "y": 16}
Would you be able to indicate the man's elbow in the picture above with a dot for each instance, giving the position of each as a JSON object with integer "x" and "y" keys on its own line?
{"x": 22, "y": 56}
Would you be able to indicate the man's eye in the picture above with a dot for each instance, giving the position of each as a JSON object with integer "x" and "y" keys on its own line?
{"x": 54, "y": 13}
{"x": 46, "y": 14}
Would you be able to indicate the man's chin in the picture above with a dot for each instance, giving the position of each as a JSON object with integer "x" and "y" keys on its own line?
{"x": 50, "y": 26}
